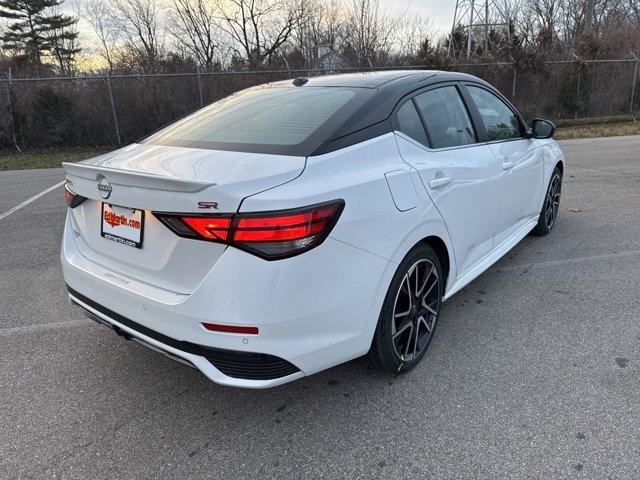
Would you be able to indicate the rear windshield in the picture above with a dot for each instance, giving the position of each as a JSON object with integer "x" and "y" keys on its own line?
{"x": 264, "y": 120}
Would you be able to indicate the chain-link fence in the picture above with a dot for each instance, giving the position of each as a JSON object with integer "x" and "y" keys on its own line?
{"x": 119, "y": 109}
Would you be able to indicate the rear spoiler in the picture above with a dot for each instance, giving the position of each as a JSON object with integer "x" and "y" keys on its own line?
{"x": 85, "y": 173}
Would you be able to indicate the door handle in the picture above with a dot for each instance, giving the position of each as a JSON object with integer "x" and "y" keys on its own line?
{"x": 508, "y": 165}
{"x": 440, "y": 182}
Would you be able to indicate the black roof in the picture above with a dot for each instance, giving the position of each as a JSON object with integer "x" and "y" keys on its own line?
{"x": 382, "y": 80}
{"x": 381, "y": 91}
{"x": 370, "y": 79}
{"x": 388, "y": 80}
{"x": 365, "y": 116}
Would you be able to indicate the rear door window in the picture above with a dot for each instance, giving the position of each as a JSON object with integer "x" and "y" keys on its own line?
{"x": 446, "y": 117}
{"x": 410, "y": 124}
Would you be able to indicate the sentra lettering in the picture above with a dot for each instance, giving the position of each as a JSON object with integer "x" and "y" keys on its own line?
{"x": 115, "y": 220}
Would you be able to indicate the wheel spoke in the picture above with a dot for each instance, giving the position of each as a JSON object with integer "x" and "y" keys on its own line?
{"x": 416, "y": 335}
{"x": 416, "y": 279}
{"x": 424, "y": 284}
{"x": 435, "y": 282}
{"x": 431, "y": 323}
{"x": 430, "y": 309}
{"x": 425, "y": 323}
{"x": 402, "y": 329}
{"x": 411, "y": 333}
{"x": 404, "y": 284}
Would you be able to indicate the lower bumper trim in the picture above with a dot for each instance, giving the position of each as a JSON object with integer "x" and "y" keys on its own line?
{"x": 235, "y": 364}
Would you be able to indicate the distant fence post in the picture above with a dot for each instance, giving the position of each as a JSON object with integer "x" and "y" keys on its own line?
{"x": 578, "y": 93}
{"x": 10, "y": 107}
{"x": 513, "y": 84}
{"x": 633, "y": 88}
{"x": 200, "y": 87}
{"x": 113, "y": 109}
{"x": 288, "y": 68}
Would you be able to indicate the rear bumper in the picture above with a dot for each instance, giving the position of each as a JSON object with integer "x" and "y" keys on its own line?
{"x": 228, "y": 367}
{"x": 313, "y": 311}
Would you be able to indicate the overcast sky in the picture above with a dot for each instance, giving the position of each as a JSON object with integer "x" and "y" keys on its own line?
{"x": 440, "y": 12}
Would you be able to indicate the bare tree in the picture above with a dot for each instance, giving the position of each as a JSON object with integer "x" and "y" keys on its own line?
{"x": 99, "y": 15}
{"x": 259, "y": 27}
{"x": 545, "y": 14}
{"x": 634, "y": 10}
{"x": 195, "y": 27}
{"x": 368, "y": 37}
{"x": 140, "y": 23}
{"x": 410, "y": 35}
{"x": 321, "y": 25}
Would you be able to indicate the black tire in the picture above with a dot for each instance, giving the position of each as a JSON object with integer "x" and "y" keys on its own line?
{"x": 551, "y": 205}
{"x": 395, "y": 349}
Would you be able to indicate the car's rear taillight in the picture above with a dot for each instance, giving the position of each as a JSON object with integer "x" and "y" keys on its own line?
{"x": 270, "y": 235}
{"x": 72, "y": 199}
{"x": 211, "y": 228}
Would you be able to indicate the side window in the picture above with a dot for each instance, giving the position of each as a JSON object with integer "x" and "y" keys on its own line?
{"x": 446, "y": 117}
{"x": 499, "y": 120}
{"x": 410, "y": 124}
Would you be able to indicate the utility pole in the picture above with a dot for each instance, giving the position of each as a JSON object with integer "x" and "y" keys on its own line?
{"x": 486, "y": 26}
{"x": 588, "y": 18}
{"x": 470, "y": 34}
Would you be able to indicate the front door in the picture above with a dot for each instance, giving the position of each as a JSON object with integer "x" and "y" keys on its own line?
{"x": 519, "y": 158}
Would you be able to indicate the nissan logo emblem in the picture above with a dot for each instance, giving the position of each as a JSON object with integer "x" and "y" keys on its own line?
{"x": 104, "y": 187}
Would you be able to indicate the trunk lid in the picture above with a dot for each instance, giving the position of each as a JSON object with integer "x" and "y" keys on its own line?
{"x": 167, "y": 179}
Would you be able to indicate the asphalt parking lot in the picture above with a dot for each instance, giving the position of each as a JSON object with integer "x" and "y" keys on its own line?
{"x": 533, "y": 373}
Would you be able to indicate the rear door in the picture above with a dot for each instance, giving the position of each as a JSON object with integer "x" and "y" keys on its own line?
{"x": 461, "y": 175}
{"x": 520, "y": 161}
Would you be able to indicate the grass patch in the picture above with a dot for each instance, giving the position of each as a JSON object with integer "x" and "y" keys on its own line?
{"x": 598, "y": 130}
{"x": 12, "y": 160}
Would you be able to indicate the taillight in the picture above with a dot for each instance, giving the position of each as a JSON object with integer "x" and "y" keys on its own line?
{"x": 71, "y": 198}
{"x": 213, "y": 228}
{"x": 270, "y": 235}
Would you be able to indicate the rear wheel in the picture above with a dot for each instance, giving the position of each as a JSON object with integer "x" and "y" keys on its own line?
{"x": 549, "y": 212}
{"x": 410, "y": 312}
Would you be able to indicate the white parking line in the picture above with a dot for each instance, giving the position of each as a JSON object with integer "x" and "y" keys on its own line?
{"x": 7, "y": 332}
{"x": 27, "y": 202}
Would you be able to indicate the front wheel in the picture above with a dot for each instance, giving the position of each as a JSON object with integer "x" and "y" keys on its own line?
{"x": 549, "y": 212}
{"x": 410, "y": 312}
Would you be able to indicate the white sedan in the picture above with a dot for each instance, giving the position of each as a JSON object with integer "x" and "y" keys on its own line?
{"x": 297, "y": 225}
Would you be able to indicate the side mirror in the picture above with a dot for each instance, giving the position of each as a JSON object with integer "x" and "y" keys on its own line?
{"x": 542, "y": 129}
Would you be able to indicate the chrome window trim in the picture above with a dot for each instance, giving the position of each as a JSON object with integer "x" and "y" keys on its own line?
{"x": 436, "y": 150}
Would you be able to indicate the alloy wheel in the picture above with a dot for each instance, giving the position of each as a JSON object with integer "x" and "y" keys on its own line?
{"x": 552, "y": 201}
{"x": 415, "y": 310}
